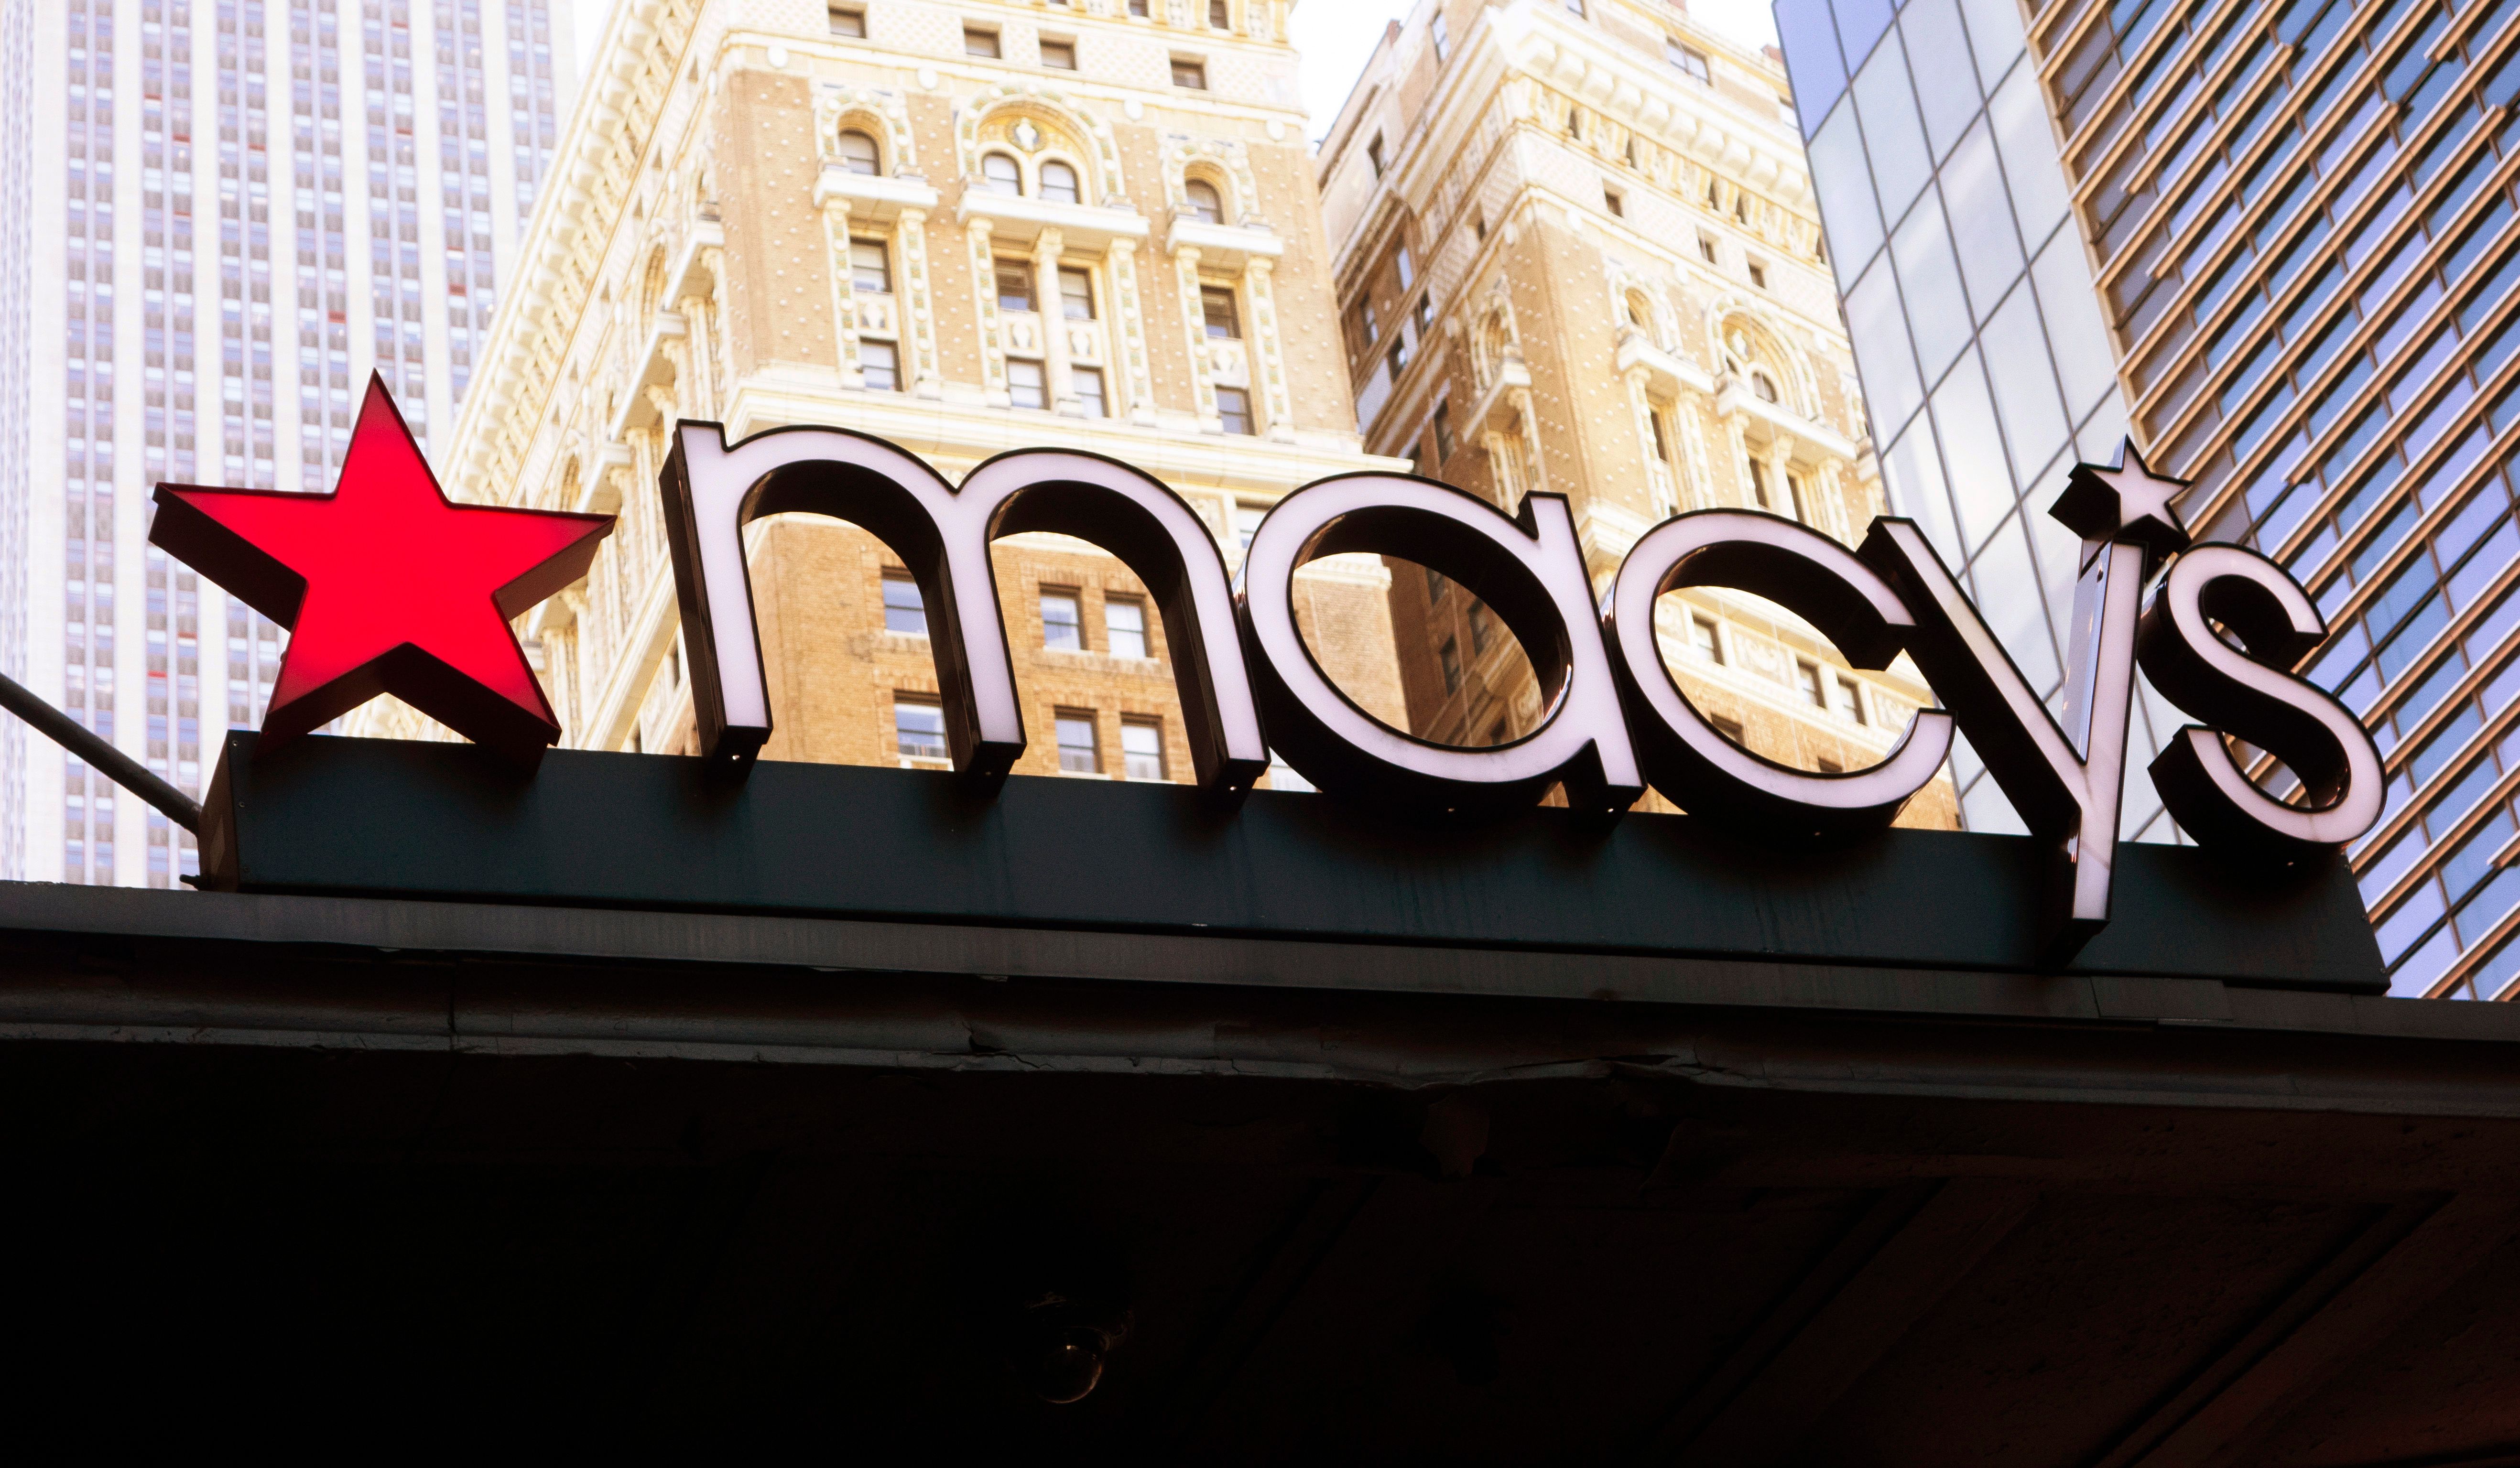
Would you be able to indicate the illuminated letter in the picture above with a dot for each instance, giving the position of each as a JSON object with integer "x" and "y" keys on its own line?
{"x": 1766, "y": 554}
{"x": 2251, "y": 695}
{"x": 2066, "y": 794}
{"x": 1530, "y": 571}
{"x": 713, "y": 490}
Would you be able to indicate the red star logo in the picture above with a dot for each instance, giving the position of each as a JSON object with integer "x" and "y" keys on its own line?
{"x": 389, "y": 587}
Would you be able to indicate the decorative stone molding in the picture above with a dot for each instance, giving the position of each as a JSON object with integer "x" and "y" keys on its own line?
{"x": 1257, "y": 288}
{"x": 1765, "y": 342}
{"x": 880, "y": 113}
{"x": 1195, "y": 338}
{"x": 1103, "y": 165}
{"x": 984, "y": 301}
{"x": 1226, "y": 156}
{"x": 1138, "y": 384}
{"x": 918, "y": 303}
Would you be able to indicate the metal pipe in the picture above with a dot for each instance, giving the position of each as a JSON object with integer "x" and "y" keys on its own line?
{"x": 117, "y": 767}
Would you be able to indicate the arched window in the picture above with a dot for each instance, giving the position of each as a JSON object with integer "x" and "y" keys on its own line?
{"x": 1058, "y": 182}
{"x": 1764, "y": 385}
{"x": 998, "y": 174}
{"x": 1204, "y": 201}
{"x": 1636, "y": 312}
{"x": 858, "y": 153}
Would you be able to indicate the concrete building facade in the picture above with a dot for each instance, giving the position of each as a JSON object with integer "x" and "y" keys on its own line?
{"x": 215, "y": 217}
{"x": 961, "y": 226}
{"x": 1576, "y": 253}
{"x": 2275, "y": 243}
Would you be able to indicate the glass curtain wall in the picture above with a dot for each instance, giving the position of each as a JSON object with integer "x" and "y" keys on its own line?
{"x": 2295, "y": 223}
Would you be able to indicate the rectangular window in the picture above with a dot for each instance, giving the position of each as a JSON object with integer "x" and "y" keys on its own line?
{"x": 1451, "y": 654}
{"x": 1396, "y": 356}
{"x": 1366, "y": 323}
{"x": 1575, "y": 7}
{"x": 1686, "y": 59}
{"x": 1701, "y": 640}
{"x": 1234, "y": 410}
{"x": 1079, "y": 752}
{"x": 1216, "y": 303}
{"x": 1088, "y": 384}
{"x": 1076, "y": 293}
{"x": 881, "y": 365}
{"x": 1190, "y": 73}
{"x": 1024, "y": 384}
{"x": 904, "y": 610}
{"x": 847, "y": 21}
{"x": 1730, "y": 728}
{"x": 1058, "y": 56}
{"x": 1060, "y": 625}
{"x": 1425, "y": 316}
{"x": 1437, "y": 584}
{"x": 1374, "y": 154}
{"x": 1759, "y": 484}
{"x": 1138, "y": 8}
{"x": 1015, "y": 286}
{"x": 1616, "y": 203}
{"x": 1443, "y": 432}
{"x": 1142, "y": 748}
{"x": 1406, "y": 267}
{"x": 869, "y": 267}
{"x": 1706, "y": 249}
{"x": 1662, "y": 450}
{"x": 1849, "y": 701}
{"x": 1806, "y": 679}
{"x": 919, "y": 729}
{"x": 1247, "y": 523}
{"x": 1219, "y": 13}
{"x": 1758, "y": 275}
{"x": 1482, "y": 627}
{"x": 1124, "y": 626}
{"x": 1443, "y": 37}
{"x": 979, "y": 42}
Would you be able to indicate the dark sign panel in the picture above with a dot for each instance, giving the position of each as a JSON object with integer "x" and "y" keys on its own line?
{"x": 390, "y": 587}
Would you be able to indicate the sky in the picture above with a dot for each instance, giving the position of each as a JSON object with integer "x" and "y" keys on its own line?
{"x": 1335, "y": 36}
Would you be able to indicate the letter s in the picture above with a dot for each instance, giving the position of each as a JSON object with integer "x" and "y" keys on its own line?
{"x": 2252, "y": 696}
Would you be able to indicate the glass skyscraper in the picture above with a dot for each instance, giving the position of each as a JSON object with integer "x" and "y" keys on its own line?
{"x": 215, "y": 217}
{"x": 2276, "y": 243}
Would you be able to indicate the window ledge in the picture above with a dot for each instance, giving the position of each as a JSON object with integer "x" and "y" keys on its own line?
{"x": 1019, "y": 217}
{"x": 873, "y": 197}
{"x": 1230, "y": 247}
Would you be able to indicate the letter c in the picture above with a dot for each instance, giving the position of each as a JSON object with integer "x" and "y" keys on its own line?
{"x": 1683, "y": 756}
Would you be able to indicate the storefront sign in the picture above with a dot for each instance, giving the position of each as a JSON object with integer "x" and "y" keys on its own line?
{"x": 392, "y": 588}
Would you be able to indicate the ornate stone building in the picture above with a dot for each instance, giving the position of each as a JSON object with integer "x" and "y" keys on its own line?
{"x": 966, "y": 228}
{"x": 1576, "y": 251}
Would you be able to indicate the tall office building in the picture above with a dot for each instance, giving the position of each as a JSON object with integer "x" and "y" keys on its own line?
{"x": 964, "y": 226}
{"x": 2275, "y": 244}
{"x": 1576, "y": 253}
{"x": 217, "y": 216}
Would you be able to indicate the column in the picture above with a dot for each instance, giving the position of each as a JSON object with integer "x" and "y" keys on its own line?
{"x": 1054, "y": 322}
{"x": 1696, "y": 491}
{"x": 1268, "y": 359}
{"x": 1779, "y": 460}
{"x": 1138, "y": 386}
{"x": 993, "y": 347}
{"x": 1658, "y": 475}
{"x": 918, "y": 305}
{"x": 1195, "y": 333}
{"x": 845, "y": 317}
